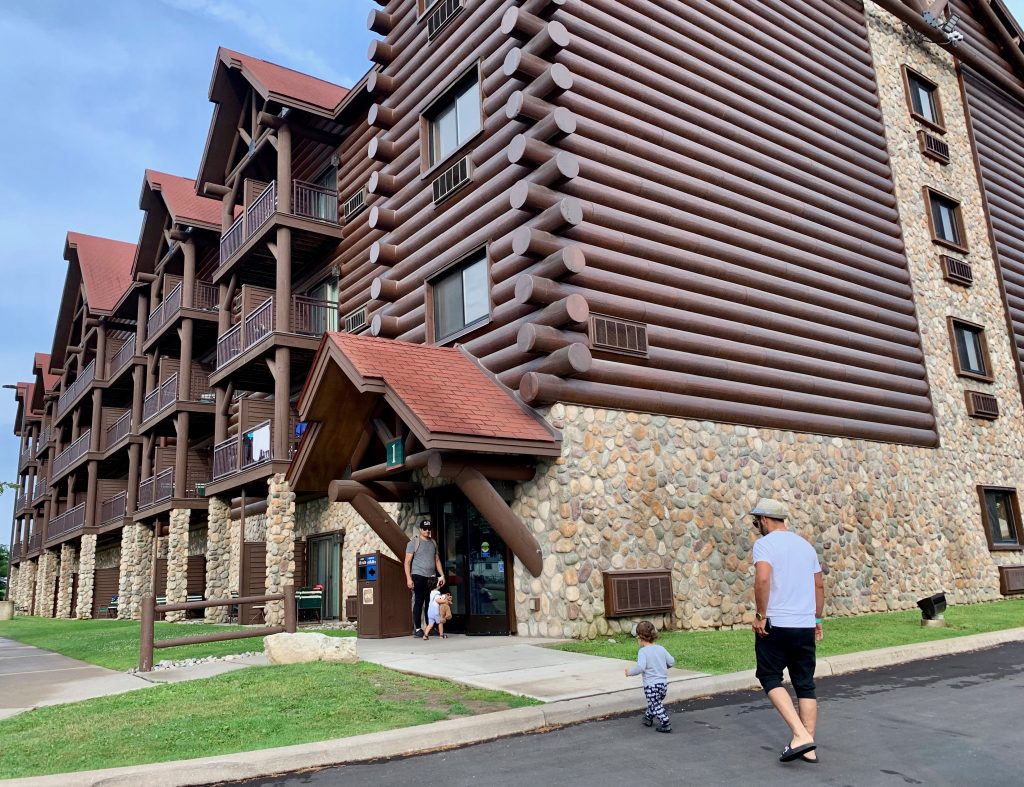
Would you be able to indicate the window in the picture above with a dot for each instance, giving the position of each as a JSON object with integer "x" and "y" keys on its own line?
{"x": 945, "y": 220}
{"x": 461, "y": 297}
{"x": 454, "y": 118}
{"x": 1000, "y": 515}
{"x": 970, "y": 350}
{"x": 923, "y": 98}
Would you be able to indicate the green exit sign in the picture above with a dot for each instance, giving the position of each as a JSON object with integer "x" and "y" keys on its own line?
{"x": 396, "y": 453}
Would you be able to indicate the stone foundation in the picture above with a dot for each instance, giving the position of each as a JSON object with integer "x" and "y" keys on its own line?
{"x": 46, "y": 583}
{"x": 86, "y": 576}
{"x": 26, "y": 590}
{"x": 65, "y": 582}
{"x": 12, "y": 585}
{"x": 280, "y": 544}
{"x": 136, "y": 568}
{"x": 177, "y": 561}
{"x": 218, "y": 557}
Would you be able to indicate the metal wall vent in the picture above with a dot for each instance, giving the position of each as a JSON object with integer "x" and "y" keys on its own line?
{"x": 1011, "y": 580}
{"x": 933, "y": 147}
{"x": 620, "y": 336}
{"x": 637, "y": 592}
{"x": 957, "y": 270}
{"x": 451, "y": 180}
{"x": 355, "y": 322}
{"x": 441, "y": 15}
{"x": 354, "y": 204}
{"x": 982, "y": 405}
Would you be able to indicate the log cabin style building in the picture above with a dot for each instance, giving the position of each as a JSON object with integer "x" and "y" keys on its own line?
{"x": 579, "y": 281}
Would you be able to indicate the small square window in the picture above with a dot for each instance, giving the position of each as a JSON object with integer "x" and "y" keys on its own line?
{"x": 923, "y": 99}
{"x": 970, "y": 354}
{"x": 1000, "y": 515}
{"x": 461, "y": 297}
{"x": 945, "y": 220}
{"x": 454, "y": 118}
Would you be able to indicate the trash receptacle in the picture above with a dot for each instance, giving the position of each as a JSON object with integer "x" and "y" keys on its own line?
{"x": 383, "y": 597}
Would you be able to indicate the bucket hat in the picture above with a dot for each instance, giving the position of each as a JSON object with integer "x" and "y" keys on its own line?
{"x": 773, "y": 509}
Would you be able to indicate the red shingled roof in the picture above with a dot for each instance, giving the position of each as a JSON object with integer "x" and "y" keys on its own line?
{"x": 287, "y": 83}
{"x": 41, "y": 365}
{"x": 185, "y": 206}
{"x": 446, "y": 390}
{"x": 106, "y": 268}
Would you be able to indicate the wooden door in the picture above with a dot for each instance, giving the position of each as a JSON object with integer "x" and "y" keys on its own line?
{"x": 254, "y": 579}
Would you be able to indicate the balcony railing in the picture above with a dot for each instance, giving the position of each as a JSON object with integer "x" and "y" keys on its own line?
{"x": 114, "y": 508}
{"x": 255, "y": 445}
{"x": 121, "y": 357}
{"x": 68, "y": 522}
{"x": 309, "y": 317}
{"x": 15, "y": 552}
{"x": 44, "y": 439}
{"x": 118, "y": 430}
{"x": 41, "y": 487}
{"x": 26, "y": 453}
{"x": 80, "y": 384}
{"x": 308, "y": 200}
{"x": 35, "y": 542}
{"x": 21, "y": 501}
{"x": 206, "y": 296}
{"x": 156, "y": 489}
{"x": 71, "y": 454}
{"x": 164, "y": 396}
{"x": 225, "y": 458}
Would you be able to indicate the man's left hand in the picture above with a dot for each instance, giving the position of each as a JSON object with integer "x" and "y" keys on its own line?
{"x": 440, "y": 582}
{"x": 759, "y": 627}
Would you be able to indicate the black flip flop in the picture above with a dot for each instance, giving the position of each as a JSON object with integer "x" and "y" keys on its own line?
{"x": 789, "y": 754}
{"x": 815, "y": 761}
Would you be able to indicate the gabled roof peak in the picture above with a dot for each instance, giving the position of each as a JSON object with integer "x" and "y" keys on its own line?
{"x": 285, "y": 84}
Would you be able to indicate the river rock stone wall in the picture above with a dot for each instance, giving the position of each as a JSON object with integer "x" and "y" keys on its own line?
{"x": 218, "y": 556}
{"x": 86, "y": 576}
{"x": 280, "y": 526}
{"x": 177, "y": 561}
{"x": 29, "y": 569}
{"x": 65, "y": 582}
{"x": 13, "y": 588}
{"x": 135, "y": 581}
{"x": 46, "y": 583}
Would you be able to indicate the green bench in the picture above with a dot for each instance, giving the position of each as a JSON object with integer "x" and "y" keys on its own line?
{"x": 310, "y": 601}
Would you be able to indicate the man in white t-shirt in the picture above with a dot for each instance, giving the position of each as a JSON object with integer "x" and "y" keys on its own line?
{"x": 789, "y": 594}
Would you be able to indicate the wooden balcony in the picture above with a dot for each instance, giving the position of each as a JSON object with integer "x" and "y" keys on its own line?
{"x": 42, "y": 487}
{"x": 156, "y": 489}
{"x": 114, "y": 508}
{"x": 245, "y": 458}
{"x": 15, "y": 552}
{"x": 35, "y": 544}
{"x": 313, "y": 217}
{"x": 117, "y": 431}
{"x": 71, "y": 455}
{"x": 76, "y": 389}
{"x": 165, "y": 397}
{"x": 70, "y": 523}
{"x": 21, "y": 501}
{"x": 44, "y": 441}
{"x": 26, "y": 455}
{"x": 205, "y": 297}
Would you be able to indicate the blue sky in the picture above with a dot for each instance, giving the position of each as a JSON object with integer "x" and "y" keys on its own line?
{"x": 99, "y": 90}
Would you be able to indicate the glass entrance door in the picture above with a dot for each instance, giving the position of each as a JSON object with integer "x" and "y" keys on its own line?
{"x": 476, "y": 563}
{"x": 325, "y": 570}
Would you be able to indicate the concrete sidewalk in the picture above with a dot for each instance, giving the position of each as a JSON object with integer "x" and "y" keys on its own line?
{"x": 476, "y": 729}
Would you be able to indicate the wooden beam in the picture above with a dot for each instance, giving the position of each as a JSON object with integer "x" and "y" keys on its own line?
{"x": 383, "y": 433}
{"x": 447, "y": 466}
{"x": 345, "y": 491}
{"x": 496, "y": 511}
{"x": 381, "y": 523}
{"x": 381, "y": 471}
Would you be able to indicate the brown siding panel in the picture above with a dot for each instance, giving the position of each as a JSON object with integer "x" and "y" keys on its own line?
{"x": 104, "y": 588}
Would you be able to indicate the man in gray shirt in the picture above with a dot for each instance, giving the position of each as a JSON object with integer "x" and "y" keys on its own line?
{"x": 421, "y": 559}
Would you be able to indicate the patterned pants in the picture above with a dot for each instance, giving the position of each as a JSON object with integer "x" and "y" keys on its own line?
{"x": 655, "y": 696}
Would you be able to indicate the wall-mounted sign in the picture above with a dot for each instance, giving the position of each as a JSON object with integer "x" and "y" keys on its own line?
{"x": 368, "y": 597}
{"x": 485, "y": 548}
{"x": 396, "y": 453}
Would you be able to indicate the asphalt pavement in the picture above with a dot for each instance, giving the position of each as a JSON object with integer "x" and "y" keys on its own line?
{"x": 953, "y": 720}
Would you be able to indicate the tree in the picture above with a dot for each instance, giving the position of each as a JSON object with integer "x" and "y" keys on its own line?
{"x": 5, "y": 561}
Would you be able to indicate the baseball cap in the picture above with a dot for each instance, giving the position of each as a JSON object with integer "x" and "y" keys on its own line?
{"x": 426, "y": 524}
{"x": 773, "y": 509}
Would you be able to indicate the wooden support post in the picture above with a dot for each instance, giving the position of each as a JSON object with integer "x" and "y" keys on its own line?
{"x": 282, "y": 409}
{"x": 381, "y": 523}
{"x": 90, "y": 493}
{"x": 181, "y": 454}
{"x": 290, "y": 613}
{"x": 188, "y": 285}
{"x": 138, "y": 396}
{"x": 134, "y": 466}
{"x": 283, "y": 283}
{"x": 101, "y": 352}
{"x": 96, "y": 425}
{"x": 146, "y": 632}
{"x": 185, "y": 367}
{"x": 284, "y": 169}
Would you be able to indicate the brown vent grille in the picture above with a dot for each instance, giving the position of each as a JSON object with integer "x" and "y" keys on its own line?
{"x": 1011, "y": 580}
{"x": 443, "y": 12}
{"x": 451, "y": 180}
{"x": 957, "y": 270}
{"x": 354, "y": 204}
{"x": 982, "y": 405}
{"x": 620, "y": 336}
{"x": 355, "y": 322}
{"x": 637, "y": 592}
{"x": 351, "y": 607}
{"x": 933, "y": 147}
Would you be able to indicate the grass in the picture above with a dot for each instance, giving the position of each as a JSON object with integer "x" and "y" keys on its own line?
{"x": 732, "y": 651}
{"x": 254, "y": 708}
{"x": 115, "y": 643}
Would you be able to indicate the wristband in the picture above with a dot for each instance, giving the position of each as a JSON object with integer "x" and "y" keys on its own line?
{"x": 819, "y": 621}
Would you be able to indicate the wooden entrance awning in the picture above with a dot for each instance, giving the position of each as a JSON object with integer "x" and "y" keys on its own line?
{"x": 379, "y": 410}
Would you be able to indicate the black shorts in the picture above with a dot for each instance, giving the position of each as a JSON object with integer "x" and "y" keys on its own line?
{"x": 789, "y": 648}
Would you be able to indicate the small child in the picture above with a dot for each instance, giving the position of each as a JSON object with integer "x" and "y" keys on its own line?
{"x": 434, "y": 614}
{"x": 653, "y": 662}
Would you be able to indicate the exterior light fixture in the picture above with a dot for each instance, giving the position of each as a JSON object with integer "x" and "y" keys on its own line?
{"x": 932, "y": 608}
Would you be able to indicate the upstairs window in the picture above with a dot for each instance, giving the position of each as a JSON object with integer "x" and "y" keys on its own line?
{"x": 1001, "y": 516}
{"x": 970, "y": 350}
{"x": 946, "y": 221}
{"x": 454, "y": 118}
{"x": 923, "y": 98}
{"x": 461, "y": 297}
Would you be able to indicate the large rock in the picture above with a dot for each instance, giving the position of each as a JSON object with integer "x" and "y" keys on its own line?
{"x": 304, "y": 647}
{"x": 6, "y": 610}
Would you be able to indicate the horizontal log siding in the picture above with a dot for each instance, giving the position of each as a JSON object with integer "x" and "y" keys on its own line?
{"x": 736, "y": 197}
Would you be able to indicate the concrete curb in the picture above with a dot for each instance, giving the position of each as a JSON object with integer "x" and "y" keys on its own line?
{"x": 478, "y": 729}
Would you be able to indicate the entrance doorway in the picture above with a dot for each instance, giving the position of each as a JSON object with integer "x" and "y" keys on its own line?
{"x": 477, "y": 565}
{"x": 325, "y": 569}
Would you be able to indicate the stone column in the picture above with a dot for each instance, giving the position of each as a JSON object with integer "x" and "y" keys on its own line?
{"x": 124, "y": 577}
{"x": 142, "y": 579}
{"x": 177, "y": 561}
{"x": 28, "y": 582}
{"x": 12, "y": 586}
{"x": 66, "y": 580}
{"x": 86, "y": 576}
{"x": 218, "y": 557}
{"x": 47, "y": 578}
{"x": 280, "y": 544}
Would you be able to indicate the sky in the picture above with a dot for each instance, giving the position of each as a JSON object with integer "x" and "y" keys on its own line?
{"x": 97, "y": 92}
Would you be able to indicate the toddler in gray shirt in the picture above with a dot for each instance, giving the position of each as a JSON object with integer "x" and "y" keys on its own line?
{"x": 653, "y": 661}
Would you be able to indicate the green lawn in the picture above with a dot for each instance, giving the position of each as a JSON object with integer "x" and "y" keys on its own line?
{"x": 732, "y": 651}
{"x": 254, "y": 708}
{"x": 115, "y": 643}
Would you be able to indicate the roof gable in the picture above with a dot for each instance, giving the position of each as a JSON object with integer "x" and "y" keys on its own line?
{"x": 182, "y": 202}
{"x": 106, "y": 267}
{"x": 288, "y": 86}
